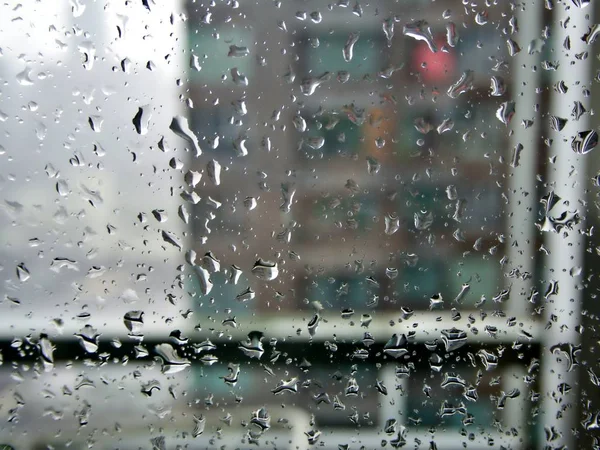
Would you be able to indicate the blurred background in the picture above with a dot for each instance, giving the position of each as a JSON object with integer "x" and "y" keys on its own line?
{"x": 296, "y": 224}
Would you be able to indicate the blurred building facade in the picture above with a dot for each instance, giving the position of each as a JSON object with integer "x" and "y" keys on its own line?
{"x": 379, "y": 195}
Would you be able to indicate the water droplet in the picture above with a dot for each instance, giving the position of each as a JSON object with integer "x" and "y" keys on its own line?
{"x": 549, "y": 201}
{"x": 235, "y": 274}
{"x": 352, "y": 388}
{"x": 481, "y": 18}
{"x": 213, "y": 168}
{"x": 176, "y": 163}
{"x": 578, "y": 110}
{"x": 283, "y": 386}
{"x": 313, "y": 325}
{"x": 315, "y": 142}
{"x": 310, "y": 84}
{"x": 561, "y": 87}
{"x": 288, "y": 190}
{"x": 183, "y": 214}
{"x": 396, "y": 346}
{"x": 552, "y": 289}
{"x": 141, "y": 120}
{"x": 211, "y": 263}
{"x": 420, "y": 31}
{"x": 265, "y": 270}
{"x": 576, "y": 271}
{"x": 240, "y": 107}
{"x": 289, "y": 76}
{"x": 388, "y": 30}
{"x": 435, "y": 301}
{"x": 581, "y": 3}
{"x": 584, "y": 142}
{"x": 535, "y": 46}
{"x": 24, "y": 77}
{"x": 488, "y": 359}
{"x": 422, "y": 125}
{"x": 95, "y": 123}
{"x": 557, "y": 123}
{"x": 316, "y": 16}
{"x": 88, "y": 338}
{"x": 199, "y": 425}
{"x": 373, "y": 166}
{"x": 381, "y": 388}
{"x": 463, "y": 292}
{"x": 436, "y": 362}
{"x": 347, "y": 313}
{"x": 360, "y": 353}
{"x": 392, "y": 224}
{"x": 498, "y": 86}
{"x": 355, "y": 114}
{"x": 238, "y": 51}
{"x": 501, "y": 402}
{"x": 171, "y": 361}
{"x": 149, "y": 387}
{"x": 250, "y": 203}
{"x": 159, "y": 442}
{"x": 23, "y": 273}
{"x": 451, "y": 34}
{"x": 299, "y": 123}
{"x": 160, "y": 215}
{"x": 192, "y": 178}
{"x": 337, "y": 404}
{"x": 134, "y": 321}
{"x": 391, "y": 273}
{"x": 406, "y": 312}
{"x": 452, "y": 380}
{"x": 89, "y": 54}
{"x": 470, "y": 393}
{"x": 204, "y": 346}
{"x": 390, "y": 427}
{"x": 505, "y": 112}
{"x": 451, "y": 192}
{"x": 462, "y": 85}
{"x": 313, "y": 436}
{"x": 343, "y": 76}
{"x": 190, "y": 257}
{"x": 446, "y": 125}
{"x": 233, "y": 376}
{"x": 423, "y": 220}
{"x": 170, "y": 238}
{"x": 180, "y": 126}
{"x": 513, "y": 47}
{"x": 246, "y": 295}
{"x": 209, "y": 360}
{"x": 58, "y": 264}
{"x": 230, "y": 322}
{"x": 239, "y": 78}
{"x": 206, "y": 284}
{"x": 516, "y": 155}
{"x": 195, "y": 63}
{"x": 348, "y": 50}
{"x": 453, "y": 339}
{"x": 46, "y": 352}
{"x": 252, "y": 346}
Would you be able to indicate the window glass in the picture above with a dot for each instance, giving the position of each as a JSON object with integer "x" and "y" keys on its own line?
{"x": 299, "y": 224}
